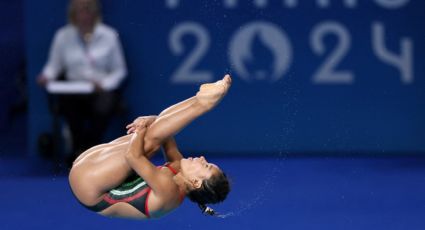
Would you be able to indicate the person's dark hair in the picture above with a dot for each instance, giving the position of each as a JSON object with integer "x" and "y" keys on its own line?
{"x": 93, "y": 5}
{"x": 212, "y": 191}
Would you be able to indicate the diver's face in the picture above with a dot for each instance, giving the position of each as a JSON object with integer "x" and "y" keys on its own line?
{"x": 198, "y": 168}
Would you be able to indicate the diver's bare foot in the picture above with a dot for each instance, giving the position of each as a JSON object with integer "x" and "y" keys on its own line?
{"x": 210, "y": 94}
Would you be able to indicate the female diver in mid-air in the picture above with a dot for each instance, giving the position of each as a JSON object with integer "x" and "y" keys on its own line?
{"x": 116, "y": 179}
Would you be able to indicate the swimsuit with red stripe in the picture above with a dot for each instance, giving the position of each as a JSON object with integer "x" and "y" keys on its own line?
{"x": 134, "y": 191}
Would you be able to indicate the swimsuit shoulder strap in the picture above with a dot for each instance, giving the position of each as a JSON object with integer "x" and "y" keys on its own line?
{"x": 171, "y": 168}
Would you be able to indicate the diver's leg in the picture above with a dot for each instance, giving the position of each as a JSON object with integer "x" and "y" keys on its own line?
{"x": 178, "y": 106}
{"x": 187, "y": 102}
{"x": 169, "y": 124}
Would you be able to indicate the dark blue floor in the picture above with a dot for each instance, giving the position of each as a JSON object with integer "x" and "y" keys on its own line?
{"x": 279, "y": 193}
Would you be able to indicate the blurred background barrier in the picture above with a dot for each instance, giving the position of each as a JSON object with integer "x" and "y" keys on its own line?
{"x": 309, "y": 76}
{"x": 13, "y": 87}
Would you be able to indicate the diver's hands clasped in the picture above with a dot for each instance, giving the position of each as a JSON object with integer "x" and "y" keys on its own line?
{"x": 144, "y": 121}
{"x": 137, "y": 142}
{"x": 138, "y": 129}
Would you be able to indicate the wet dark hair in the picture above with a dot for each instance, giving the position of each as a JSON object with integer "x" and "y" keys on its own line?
{"x": 212, "y": 191}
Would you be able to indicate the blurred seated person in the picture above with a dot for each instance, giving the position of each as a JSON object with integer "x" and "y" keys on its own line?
{"x": 89, "y": 52}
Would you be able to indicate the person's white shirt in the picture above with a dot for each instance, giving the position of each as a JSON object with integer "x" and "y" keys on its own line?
{"x": 99, "y": 60}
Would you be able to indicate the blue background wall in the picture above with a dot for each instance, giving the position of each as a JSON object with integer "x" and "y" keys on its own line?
{"x": 376, "y": 113}
{"x": 288, "y": 111}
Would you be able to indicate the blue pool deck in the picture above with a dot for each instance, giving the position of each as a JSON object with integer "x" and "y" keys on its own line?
{"x": 330, "y": 193}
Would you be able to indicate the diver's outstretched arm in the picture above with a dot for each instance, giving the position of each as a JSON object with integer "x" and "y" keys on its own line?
{"x": 171, "y": 151}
